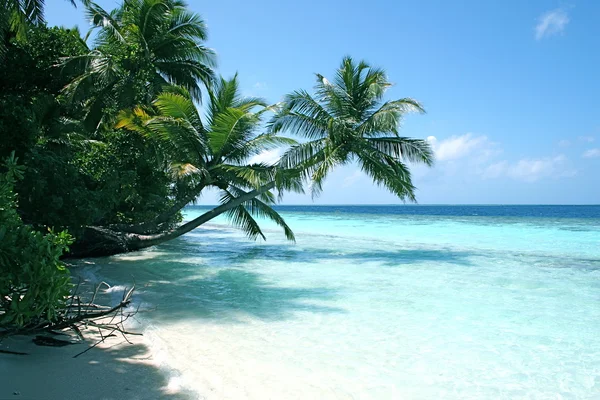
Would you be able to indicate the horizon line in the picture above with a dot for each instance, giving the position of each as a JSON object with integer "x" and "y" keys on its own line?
{"x": 418, "y": 205}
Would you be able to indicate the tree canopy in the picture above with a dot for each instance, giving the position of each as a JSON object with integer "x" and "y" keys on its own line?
{"x": 139, "y": 48}
{"x": 347, "y": 120}
{"x": 112, "y": 144}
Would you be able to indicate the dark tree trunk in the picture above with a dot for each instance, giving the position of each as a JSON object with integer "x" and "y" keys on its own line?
{"x": 155, "y": 225}
{"x": 101, "y": 242}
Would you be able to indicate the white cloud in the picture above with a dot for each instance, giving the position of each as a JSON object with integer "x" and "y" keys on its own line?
{"x": 456, "y": 147}
{"x": 472, "y": 157}
{"x": 591, "y": 153}
{"x": 564, "y": 143}
{"x": 495, "y": 170}
{"x": 260, "y": 85}
{"x": 551, "y": 23}
{"x": 351, "y": 179}
{"x": 586, "y": 139}
{"x": 269, "y": 157}
{"x": 530, "y": 169}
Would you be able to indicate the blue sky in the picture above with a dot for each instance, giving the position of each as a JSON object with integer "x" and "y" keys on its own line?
{"x": 511, "y": 88}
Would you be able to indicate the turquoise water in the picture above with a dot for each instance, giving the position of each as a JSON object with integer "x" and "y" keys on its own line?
{"x": 379, "y": 303}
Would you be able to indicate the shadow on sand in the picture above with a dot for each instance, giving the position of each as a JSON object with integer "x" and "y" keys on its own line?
{"x": 117, "y": 371}
{"x": 203, "y": 275}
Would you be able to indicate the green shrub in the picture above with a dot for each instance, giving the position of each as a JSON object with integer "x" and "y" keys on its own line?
{"x": 34, "y": 283}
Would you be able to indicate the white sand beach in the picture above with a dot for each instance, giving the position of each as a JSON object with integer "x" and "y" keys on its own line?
{"x": 114, "y": 369}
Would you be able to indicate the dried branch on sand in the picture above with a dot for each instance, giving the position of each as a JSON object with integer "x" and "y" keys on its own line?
{"x": 78, "y": 315}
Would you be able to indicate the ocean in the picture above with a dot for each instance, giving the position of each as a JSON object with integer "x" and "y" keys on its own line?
{"x": 377, "y": 302}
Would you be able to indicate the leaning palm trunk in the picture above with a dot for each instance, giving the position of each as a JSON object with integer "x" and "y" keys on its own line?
{"x": 99, "y": 241}
{"x": 345, "y": 121}
{"x": 211, "y": 153}
{"x": 156, "y": 224}
{"x": 143, "y": 241}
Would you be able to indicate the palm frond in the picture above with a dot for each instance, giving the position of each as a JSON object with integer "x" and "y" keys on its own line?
{"x": 372, "y": 87}
{"x": 149, "y": 18}
{"x": 180, "y": 171}
{"x": 388, "y": 172}
{"x": 174, "y": 126}
{"x": 99, "y": 18}
{"x": 288, "y": 181}
{"x": 185, "y": 142}
{"x": 259, "y": 144}
{"x": 332, "y": 157}
{"x": 346, "y": 121}
{"x": 333, "y": 98}
{"x": 261, "y": 209}
{"x": 33, "y": 11}
{"x": 186, "y": 73}
{"x": 386, "y": 119}
{"x": 250, "y": 176}
{"x": 302, "y": 115}
{"x": 174, "y": 103}
{"x": 145, "y": 45}
{"x": 18, "y": 23}
{"x": 302, "y": 156}
{"x": 185, "y": 24}
{"x": 241, "y": 218}
{"x": 403, "y": 148}
{"x": 133, "y": 120}
{"x": 227, "y": 131}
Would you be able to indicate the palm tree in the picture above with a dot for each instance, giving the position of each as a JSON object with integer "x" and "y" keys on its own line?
{"x": 210, "y": 152}
{"x": 17, "y": 15}
{"x": 346, "y": 121}
{"x": 141, "y": 47}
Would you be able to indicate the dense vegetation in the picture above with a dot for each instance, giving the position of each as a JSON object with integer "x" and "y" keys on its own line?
{"x": 34, "y": 283}
{"x": 113, "y": 145}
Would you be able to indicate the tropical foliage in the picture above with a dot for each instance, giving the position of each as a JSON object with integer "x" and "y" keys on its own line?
{"x": 346, "y": 121}
{"x": 16, "y": 16}
{"x": 139, "y": 48}
{"x": 215, "y": 152}
{"x": 34, "y": 283}
{"x": 113, "y": 143}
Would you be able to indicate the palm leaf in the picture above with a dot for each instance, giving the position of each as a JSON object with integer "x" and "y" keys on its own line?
{"x": 241, "y": 218}
{"x": 344, "y": 121}
{"x": 413, "y": 150}
{"x": 303, "y": 115}
{"x": 250, "y": 176}
{"x": 387, "y": 117}
{"x": 99, "y": 18}
{"x": 260, "y": 209}
{"x": 303, "y": 155}
{"x": 259, "y": 144}
{"x": 388, "y": 172}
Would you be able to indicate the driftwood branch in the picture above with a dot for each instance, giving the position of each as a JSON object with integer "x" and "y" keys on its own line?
{"x": 78, "y": 315}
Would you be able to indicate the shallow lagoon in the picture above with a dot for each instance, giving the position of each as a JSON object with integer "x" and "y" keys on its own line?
{"x": 379, "y": 302}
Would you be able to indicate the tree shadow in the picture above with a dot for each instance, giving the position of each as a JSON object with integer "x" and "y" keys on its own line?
{"x": 205, "y": 275}
{"x": 118, "y": 371}
{"x": 200, "y": 243}
{"x": 182, "y": 286}
{"x": 230, "y": 294}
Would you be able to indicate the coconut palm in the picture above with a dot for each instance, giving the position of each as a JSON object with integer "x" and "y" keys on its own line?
{"x": 213, "y": 151}
{"x": 346, "y": 121}
{"x": 16, "y": 15}
{"x": 22, "y": 12}
{"x": 141, "y": 46}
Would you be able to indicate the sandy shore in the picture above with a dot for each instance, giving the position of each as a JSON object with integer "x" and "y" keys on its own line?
{"x": 112, "y": 370}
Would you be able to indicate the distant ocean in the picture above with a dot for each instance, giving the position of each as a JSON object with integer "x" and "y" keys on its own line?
{"x": 379, "y": 302}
